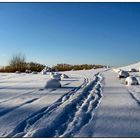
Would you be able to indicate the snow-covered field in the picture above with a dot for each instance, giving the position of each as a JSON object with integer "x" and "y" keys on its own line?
{"x": 90, "y": 103}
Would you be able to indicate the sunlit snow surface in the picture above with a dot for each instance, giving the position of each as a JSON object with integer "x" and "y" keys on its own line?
{"x": 90, "y": 103}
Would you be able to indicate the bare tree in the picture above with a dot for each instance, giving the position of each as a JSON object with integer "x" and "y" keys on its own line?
{"x": 17, "y": 62}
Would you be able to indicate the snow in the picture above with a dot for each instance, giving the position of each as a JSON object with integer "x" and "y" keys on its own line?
{"x": 64, "y": 76}
{"x": 28, "y": 71}
{"x": 134, "y": 89}
{"x": 17, "y": 72}
{"x": 118, "y": 114}
{"x": 56, "y": 76}
{"x": 45, "y": 70}
{"x": 132, "y": 66}
{"x": 132, "y": 70}
{"x": 123, "y": 74}
{"x": 117, "y": 70}
{"x": 131, "y": 81}
{"x": 24, "y": 95}
{"x": 90, "y": 103}
{"x": 34, "y": 72}
{"x": 53, "y": 83}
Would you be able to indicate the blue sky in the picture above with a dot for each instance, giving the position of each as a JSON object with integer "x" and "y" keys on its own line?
{"x": 74, "y": 33}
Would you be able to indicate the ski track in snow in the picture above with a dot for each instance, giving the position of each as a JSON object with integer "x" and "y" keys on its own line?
{"x": 66, "y": 116}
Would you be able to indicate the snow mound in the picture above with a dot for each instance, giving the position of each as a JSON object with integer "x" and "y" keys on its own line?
{"x": 64, "y": 76}
{"x": 46, "y": 69}
{"x": 123, "y": 74}
{"x": 132, "y": 70}
{"x": 57, "y": 77}
{"x": 28, "y": 71}
{"x": 53, "y": 83}
{"x": 117, "y": 70}
{"x": 34, "y": 72}
{"x": 17, "y": 72}
{"x": 131, "y": 81}
{"x": 51, "y": 73}
{"x": 58, "y": 73}
{"x": 43, "y": 72}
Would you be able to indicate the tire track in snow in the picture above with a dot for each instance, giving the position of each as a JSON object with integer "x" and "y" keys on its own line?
{"x": 22, "y": 128}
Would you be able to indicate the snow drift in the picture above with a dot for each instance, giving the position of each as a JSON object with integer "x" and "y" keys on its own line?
{"x": 132, "y": 66}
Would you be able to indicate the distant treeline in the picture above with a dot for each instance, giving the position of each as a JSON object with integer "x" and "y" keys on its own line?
{"x": 22, "y": 67}
{"x": 67, "y": 67}
{"x": 18, "y": 63}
